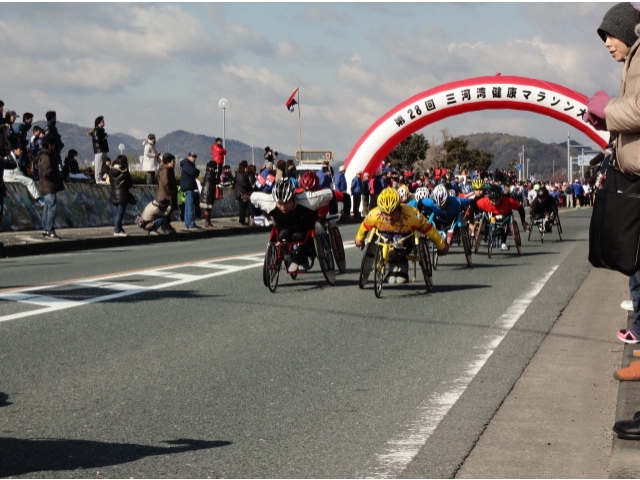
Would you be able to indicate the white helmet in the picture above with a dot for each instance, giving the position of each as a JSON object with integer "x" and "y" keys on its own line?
{"x": 421, "y": 193}
{"x": 440, "y": 195}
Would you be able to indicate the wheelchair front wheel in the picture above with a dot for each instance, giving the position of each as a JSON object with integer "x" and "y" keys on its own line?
{"x": 378, "y": 274}
{"x": 516, "y": 237}
{"x": 337, "y": 247}
{"x": 425, "y": 263}
{"x": 466, "y": 243}
{"x": 368, "y": 258}
{"x": 325, "y": 258}
{"x": 271, "y": 268}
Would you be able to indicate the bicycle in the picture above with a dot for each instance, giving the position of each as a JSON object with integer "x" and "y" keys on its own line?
{"x": 496, "y": 226}
{"x": 280, "y": 252}
{"x": 461, "y": 235}
{"x": 545, "y": 225}
{"x": 378, "y": 252}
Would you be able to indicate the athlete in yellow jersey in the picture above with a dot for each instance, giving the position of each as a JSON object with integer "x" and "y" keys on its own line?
{"x": 395, "y": 220}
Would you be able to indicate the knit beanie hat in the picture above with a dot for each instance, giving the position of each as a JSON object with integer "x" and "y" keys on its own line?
{"x": 620, "y": 22}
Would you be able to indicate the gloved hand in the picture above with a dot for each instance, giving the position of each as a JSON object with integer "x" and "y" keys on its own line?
{"x": 596, "y": 122}
{"x": 595, "y": 110}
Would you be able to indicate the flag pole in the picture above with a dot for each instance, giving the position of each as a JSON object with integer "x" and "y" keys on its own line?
{"x": 299, "y": 122}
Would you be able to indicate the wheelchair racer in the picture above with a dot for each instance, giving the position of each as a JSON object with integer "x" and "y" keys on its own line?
{"x": 497, "y": 203}
{"x": 544, "y": 205}
{"x": 445, "y": 208}
{"x": 395, "y": 220}
{"x": 295, "y": 214}
{"x": 478, "y": 187}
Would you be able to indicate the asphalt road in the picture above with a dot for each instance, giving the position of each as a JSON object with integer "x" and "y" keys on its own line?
{"x": 173, "y": 360}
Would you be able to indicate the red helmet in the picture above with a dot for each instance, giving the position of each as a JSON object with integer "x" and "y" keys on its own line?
{"x": 308, "y": 180}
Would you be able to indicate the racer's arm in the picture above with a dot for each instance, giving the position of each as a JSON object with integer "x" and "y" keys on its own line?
{"x": 525, "y": 225}
{"x": 429, "y": 230}
{"x": 367, "y": 224}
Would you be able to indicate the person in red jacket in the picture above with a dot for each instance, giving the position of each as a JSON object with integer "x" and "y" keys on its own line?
{"x": 217, "y": 155}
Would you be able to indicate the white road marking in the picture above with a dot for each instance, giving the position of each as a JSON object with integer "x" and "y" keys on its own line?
{"x": 30, "y": 296}
{"x": 402, "y": 448}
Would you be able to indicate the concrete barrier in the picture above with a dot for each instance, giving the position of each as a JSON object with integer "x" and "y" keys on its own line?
{"x": 83, "y": 205}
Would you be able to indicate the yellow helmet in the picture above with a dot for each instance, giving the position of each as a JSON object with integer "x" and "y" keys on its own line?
{"x": 388, "y": 200}
{"x": 477, "y": 184}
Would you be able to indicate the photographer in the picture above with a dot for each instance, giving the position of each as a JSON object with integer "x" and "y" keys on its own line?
{"x": 270, "y": 155}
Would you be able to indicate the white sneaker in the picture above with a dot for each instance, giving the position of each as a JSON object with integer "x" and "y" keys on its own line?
{"x": 504, "y": 247}
{"x": 627, "y": 305}
{"x": 392, "y": 279}
{"x": 293, "y": 267}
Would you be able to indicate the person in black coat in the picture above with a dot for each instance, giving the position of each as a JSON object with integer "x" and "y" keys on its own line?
{"x": 100, "y": 143}
{"x": 121, "y": 183}
{"x": 208, "y": 194}
{"x": 244, "y": 188}
{"x": 188, "y": 176}
{"x": 6, "y": 163}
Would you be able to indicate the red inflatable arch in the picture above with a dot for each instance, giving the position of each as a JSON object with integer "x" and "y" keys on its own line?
{"x": 480, "y": 93}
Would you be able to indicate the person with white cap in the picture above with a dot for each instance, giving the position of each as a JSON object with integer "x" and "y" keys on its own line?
{"x": 340, "y": 185}
{"x": 356, "y": 193}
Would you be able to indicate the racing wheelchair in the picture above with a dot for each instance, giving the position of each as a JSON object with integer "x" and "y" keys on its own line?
{"x": 378, "y": 252}
{"x": 491, "y": 228}
{"x": 280, "y": 253}
{"x": 461, "y": 235}
{"x": 545, "y": 225}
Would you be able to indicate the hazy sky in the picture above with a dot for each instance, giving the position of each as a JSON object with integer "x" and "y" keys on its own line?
{"x": 161, "y": 67}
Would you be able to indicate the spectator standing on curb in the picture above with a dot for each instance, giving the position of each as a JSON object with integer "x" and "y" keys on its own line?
{"x": 167, "y": 186}
{"x": 121, "y": 183}
{"x": 100, "y": 143}
{"x": 340, "y": 183}
{"x": 15, "y": 175}
{"x": 366, "y": 194}
{"x": 189, "y": 174}
{"x": 217, "y": 155}
{"x": 6, "y": 163}
{"x": 208, "y": 194}
{"x": 51, "y": 130}
{"x": 377, "y": 185}
{"x": 578, "y": 193}
{"x": 22, "y": 131}
{"x": 50, "y": 183}
{"x": 244, "y": 189}
{"x": 150, "y": 159}
{"x": 356, "y": 193}
{"x": 35, "y": 145}
{"x": 619, "y": 32}
{"x": 568, "y": 192}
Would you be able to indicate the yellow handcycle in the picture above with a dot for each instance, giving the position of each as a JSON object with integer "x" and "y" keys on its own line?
{"x": 379, "y": 250}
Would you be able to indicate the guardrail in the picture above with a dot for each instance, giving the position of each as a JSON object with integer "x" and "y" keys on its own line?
{"x": 83, "y": 205}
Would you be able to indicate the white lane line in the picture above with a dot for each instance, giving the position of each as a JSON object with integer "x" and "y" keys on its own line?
{"x": 52, "y": 304}
{"x": 404, "y": 446}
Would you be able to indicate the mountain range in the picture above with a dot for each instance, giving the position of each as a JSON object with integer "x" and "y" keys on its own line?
{"x": 545, "y": 158}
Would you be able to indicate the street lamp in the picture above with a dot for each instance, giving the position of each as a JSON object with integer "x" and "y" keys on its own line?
{"x": 223, "y": 103}
{"x": 528, "y": 160}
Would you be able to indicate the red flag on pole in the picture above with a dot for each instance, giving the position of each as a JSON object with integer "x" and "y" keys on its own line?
{"x": 292, "y": 101}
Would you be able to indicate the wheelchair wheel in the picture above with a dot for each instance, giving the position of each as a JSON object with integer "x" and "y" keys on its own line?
{"x": 425, "y": 263}
{"x": 434, "y": 252}
{"x": 271, "y": 269}
{"x": 368, "y": 258}
{"x": 378, "y": 273}
{"x": 479, "y": 235}
{"x": 559, "y": 227}
{"x": 492, "y": 239}
{"x": 466, "y": 243}
{"x": 337, "y": 247}
{"x": 516, "y": 237}
{"x": 325, "y": 259}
